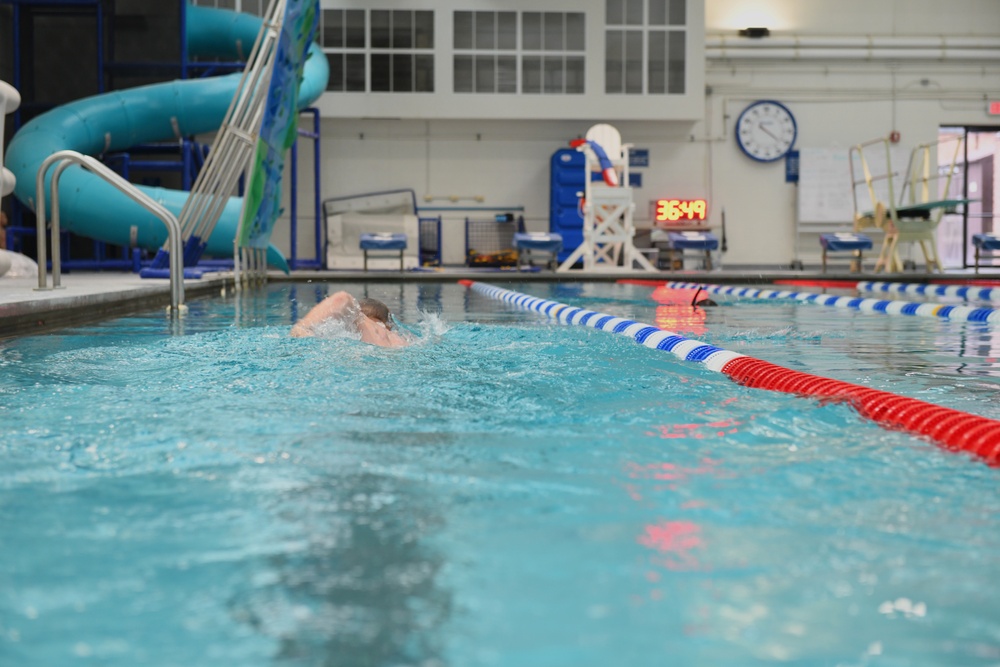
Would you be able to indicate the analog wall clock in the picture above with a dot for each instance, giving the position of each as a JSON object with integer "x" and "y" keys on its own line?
{"x": 766, "y": 130}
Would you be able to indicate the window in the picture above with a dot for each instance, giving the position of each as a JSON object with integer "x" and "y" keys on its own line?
{"x": 487, "y": 58}
{"x": 256, "y": 7}
{"x": 342, "y": 34}
{"x": 645, "y": 44}
{"x": 553, "y": 52}
{"x": 402, "y": 43}
{"x": 490, "y": 38}
{"x": 379, "y": 50}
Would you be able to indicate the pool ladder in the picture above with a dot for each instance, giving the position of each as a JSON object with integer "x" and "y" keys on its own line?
{"x": 65, "y": 159}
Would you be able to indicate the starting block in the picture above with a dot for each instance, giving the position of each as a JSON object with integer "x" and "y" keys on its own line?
{"x": 383, "y": 243}
{"x": 845, "y": 242}
{"x": 529, "y": 242}
{"x": 985, "y": 243}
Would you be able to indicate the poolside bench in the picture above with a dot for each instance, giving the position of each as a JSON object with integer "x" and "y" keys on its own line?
{"x": 702, "y": 243}
{"x": 384, "y": 244}
{"x": 527, "y": 243}
{"x": 851, "y": 242}
{"x": 986, "y": 246}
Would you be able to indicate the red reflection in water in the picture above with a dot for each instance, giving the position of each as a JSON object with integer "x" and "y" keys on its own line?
{"x": 717, "y": 428}
{"x": 671, "y": 471}
{"x": 669, "y": 296}
{"x": 674, "y": 540}
{"x": 673, "y": 475}
{"x": 675, "y": 312}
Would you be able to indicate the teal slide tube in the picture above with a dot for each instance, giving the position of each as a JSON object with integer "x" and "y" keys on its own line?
{"x": 161, "y": 112}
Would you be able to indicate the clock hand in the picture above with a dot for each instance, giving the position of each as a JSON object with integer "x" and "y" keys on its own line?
{"x": 768, "y": 132}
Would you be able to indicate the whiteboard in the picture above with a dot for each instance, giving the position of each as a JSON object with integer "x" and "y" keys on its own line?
{"x": 825, "y": 192}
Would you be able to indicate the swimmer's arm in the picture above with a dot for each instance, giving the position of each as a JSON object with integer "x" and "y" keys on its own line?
{"x": 336, "y": 305}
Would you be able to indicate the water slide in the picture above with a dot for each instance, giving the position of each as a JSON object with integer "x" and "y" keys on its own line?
{"x": 161, "y": 112}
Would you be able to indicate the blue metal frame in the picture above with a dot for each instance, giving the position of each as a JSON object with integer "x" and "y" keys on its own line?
{"x": 519, "y": 221}
{"x": 432, "y": 259}
{"x": 183, "y": 29}
{"x": 180, "y": 66}
{"x": 189, "y": 165}
{"x": 41, "y": 7}
{"x": 131, "y": 259}
{"x": 17, "y": 228}
{"x": 503, "y": 209}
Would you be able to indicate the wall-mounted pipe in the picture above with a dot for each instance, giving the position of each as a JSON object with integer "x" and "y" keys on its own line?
{"x": 853, "y": 41}
{"x": 786, "y": 54}
{"x": 725, "y": 47}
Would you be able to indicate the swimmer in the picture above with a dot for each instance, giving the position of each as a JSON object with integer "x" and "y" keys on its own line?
{"x": 695, "y": 303}
{"x": 369, "y": 317}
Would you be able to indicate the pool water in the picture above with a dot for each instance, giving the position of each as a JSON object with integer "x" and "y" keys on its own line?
{"x": 506, "y": 491}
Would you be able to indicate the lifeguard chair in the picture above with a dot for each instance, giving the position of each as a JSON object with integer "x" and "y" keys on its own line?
{"x": 911, "y": 219}
{"x": 607, "y": 206}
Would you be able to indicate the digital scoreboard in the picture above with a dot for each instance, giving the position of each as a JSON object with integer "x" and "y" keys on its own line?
{"x": 680, "y": 210}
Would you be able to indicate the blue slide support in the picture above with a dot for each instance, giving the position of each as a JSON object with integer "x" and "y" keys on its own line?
{"x": 118, "y": 120}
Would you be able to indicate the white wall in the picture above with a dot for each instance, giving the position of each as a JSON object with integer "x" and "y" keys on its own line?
{"x": 837, "y": 103}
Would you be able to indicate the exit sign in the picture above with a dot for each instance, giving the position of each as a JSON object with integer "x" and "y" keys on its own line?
{"x": 993, "y": 107}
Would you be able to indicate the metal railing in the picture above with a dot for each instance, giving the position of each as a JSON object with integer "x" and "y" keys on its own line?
{"x": 869, "y": 179}
{"x": 64, "y": 160}
{"x": 918, "y": 171}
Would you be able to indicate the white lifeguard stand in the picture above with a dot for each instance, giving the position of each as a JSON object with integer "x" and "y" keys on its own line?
{"x": 608, "y": 230}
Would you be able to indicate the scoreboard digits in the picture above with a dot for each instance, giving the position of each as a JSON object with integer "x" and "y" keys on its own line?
{"x": 675, "y": 210}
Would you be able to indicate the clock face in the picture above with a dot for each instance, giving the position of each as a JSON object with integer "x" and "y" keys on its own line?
{"x": 766, "y": 130}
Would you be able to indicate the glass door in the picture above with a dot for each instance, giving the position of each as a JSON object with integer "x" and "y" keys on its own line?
{"x": 977, "y": 178}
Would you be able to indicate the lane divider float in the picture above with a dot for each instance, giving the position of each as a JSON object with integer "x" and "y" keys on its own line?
{"x": 952, "y": 429}
{"x": 928, "y": 289}
{"x": 934, "y": 310}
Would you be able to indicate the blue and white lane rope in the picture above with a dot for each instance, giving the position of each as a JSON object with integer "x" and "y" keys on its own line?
{"x": 923, "y": 289}
{"x": 713, "y": 358}
{"x": 935, "y": 310}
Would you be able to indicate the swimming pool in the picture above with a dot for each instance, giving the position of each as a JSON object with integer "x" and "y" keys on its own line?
{"x": 505, "y": 492}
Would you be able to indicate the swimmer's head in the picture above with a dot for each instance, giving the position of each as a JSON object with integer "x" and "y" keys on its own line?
{"x": 376, "y": 310}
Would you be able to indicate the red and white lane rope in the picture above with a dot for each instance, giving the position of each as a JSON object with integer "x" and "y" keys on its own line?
{"x": 951, "y": 429}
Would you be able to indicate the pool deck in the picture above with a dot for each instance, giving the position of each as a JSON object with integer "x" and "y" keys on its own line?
{"x": 85, "y": 297}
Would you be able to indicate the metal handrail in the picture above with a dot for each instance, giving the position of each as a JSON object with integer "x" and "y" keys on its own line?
{"x": 920, "y": 160}
{"x": 65, "y": 159}
{"x": 869, "y": 179}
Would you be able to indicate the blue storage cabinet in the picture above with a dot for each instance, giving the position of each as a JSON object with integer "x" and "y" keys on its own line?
{"x": 568, "y": 171}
